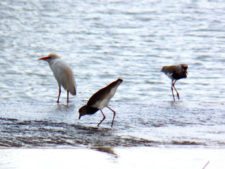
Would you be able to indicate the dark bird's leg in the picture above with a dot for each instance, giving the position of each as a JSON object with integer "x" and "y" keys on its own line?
{"x": 102, "y": 118}
{"x": 114, "y": 114}
{"x": 178, "y": 96}
{"x": 59, "y": 94}
{"x": 172, "y": 90}
{"x": 67, "y": 96}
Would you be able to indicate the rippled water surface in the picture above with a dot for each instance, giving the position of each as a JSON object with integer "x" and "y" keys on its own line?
{"x": 104, "y": 40}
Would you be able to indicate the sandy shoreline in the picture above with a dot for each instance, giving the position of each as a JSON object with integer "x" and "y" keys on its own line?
{"x": 144, "y": 157}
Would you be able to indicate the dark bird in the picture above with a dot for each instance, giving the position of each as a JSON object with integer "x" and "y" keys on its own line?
{"x": 63, "y": 74}
{"x": 175, "y": 72}
{"x": 100, "y": 100}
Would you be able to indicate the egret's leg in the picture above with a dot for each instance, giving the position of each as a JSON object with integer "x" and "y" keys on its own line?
{"x": 59, "y": 94}
{"x": 68, "y": 96}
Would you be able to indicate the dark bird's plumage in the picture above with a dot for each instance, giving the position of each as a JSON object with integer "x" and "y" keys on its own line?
{"x": 175, "y": 72}
{"x": 99, "y": 100}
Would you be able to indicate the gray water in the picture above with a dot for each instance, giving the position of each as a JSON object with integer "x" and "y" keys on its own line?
{"x": 104, "y": 40}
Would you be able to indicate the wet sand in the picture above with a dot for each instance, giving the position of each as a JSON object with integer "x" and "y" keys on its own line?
{"x": 102, "y": 158}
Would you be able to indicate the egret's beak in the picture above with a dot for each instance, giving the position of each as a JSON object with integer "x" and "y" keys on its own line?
{"x": 44, "y": 58}
{"x": 79, "y": 116}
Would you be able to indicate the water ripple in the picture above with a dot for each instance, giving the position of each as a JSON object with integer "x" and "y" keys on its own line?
{"x": 104, "y": 40}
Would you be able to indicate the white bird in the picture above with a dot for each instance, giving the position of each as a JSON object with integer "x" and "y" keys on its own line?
{"x": 63, "y": 74}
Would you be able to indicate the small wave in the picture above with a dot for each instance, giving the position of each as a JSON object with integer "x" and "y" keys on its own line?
{"x": 187, "y": 142}
{"x": 16, "y": 133}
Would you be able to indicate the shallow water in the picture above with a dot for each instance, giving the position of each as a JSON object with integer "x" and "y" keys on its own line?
{"x": 103, "y": 40}
{"x": 163, "y": 125}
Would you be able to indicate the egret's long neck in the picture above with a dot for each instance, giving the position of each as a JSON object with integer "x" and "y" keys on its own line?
{"x": 51, "y": 62}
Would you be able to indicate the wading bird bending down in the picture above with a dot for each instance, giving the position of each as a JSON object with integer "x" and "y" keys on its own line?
{"x": 99, "y": 100}
{"x": 175, "y": 72}
{"x": 63, "y": 74}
